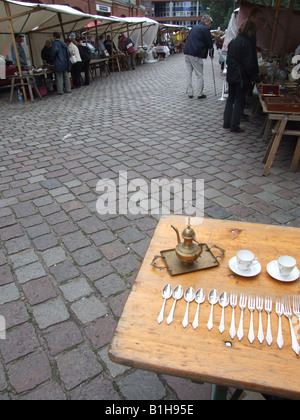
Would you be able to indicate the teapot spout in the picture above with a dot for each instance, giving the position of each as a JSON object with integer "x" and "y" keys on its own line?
{"x": 176, "y": 230}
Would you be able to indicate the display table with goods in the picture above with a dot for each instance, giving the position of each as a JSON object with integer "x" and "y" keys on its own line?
{"x": 279, "y": 99}
{"x": 232, "y": 321}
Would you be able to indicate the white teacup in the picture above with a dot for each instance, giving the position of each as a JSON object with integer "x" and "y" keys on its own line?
{"x": 286, "y": 264}
{"x": 245, "y": 259}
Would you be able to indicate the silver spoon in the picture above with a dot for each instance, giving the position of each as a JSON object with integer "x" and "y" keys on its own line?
{"x": 177, "y": 294}
{"x": 166, "y": 294}
{"x": 213, "y": 298}
{"x": 224, "y": 301}
{"x": 189, "y": 296}
{"x": 199, "y": 298}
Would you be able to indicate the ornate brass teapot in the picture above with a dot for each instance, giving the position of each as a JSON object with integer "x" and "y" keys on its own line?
{"x": 190, "y": 249}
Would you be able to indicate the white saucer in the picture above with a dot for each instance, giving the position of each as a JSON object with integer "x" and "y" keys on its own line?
{"x": 273, "y": 270}
{"x": 252, "y": 271}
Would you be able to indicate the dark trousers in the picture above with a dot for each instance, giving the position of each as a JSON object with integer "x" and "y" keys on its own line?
{"x": 235, "y": 105}
{"x": 86, "y": 68}
{"x": 130, "y": 61}
{"x": 76, "y": 68}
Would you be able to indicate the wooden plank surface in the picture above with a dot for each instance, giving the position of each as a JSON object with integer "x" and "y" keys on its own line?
{"x": 200, "y": 354}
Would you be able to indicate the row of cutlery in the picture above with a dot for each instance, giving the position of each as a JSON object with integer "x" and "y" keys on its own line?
{"x": 282, "y": 307}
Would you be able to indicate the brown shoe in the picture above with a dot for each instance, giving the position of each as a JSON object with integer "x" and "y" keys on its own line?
{"x": 237, "y": 130}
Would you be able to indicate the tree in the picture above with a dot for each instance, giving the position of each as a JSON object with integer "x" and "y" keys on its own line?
{"x": 220, "y": 11}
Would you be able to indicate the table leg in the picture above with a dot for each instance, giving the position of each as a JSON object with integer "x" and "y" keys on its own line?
{"x": 256, "y": 108}
{"x": 218, "y": 392}
{"x": 275, "y": 144}
{"x": 296, "y": 156}
{"x": 266, "y": 128}
{"x": 29, "y": 84}
{"x": 12, "y": 89}
{"x": 107, "y": 68}
{"x": 36, "y": 90}
{"x": 118, "y": 63}
{"x": 91, "y": 74}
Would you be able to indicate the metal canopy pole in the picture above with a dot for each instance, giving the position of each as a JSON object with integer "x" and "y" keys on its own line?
{"x": 61, "y": 25}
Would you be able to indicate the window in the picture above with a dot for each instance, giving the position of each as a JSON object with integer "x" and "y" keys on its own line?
{"x": 185, "y": 8}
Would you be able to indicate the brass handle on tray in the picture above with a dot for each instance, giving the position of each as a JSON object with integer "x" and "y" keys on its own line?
{"x": 220, "y": 249}
{"x": 153, "y": 263}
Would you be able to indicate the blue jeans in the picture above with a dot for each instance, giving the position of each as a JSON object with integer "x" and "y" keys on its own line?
{"x": 235, "y": 105}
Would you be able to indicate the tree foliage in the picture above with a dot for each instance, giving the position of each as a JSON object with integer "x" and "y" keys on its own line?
{"x": 220, "y": 11}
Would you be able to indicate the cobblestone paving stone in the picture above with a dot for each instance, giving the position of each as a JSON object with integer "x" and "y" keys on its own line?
{"x": 65, "y": 270}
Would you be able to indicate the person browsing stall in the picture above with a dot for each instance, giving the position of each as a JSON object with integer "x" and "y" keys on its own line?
{"x": 102, "y": 49}
{"x": 76, "y": 62}
{"x": 242, "y": 71}
{"x": 110, "y": 45}
{"x": 20, "y": 51}
{"x": 85, "y": 55}
{"x": 46, "y": 53}
{"x": 60, "y": 56}
{"x": 127, "y": 46}
{"x": 196, "y": 48}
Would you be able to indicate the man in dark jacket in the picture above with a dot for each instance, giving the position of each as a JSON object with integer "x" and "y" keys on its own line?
{"x": 242, "y": 71}
{"x": 86, "y": 56}
{"x": 60, "y": 56}
{"x": 197, "y": 46}
{"x": 46, "y": 53}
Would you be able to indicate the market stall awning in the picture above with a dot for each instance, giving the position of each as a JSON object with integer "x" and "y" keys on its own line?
{"x": 39, "y": 21}
{"x": 71, "y": 19}
{"x": 141, "y": 30}
{"x": 27, "y": 17}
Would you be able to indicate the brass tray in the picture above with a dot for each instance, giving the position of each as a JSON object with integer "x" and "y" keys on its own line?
{"x": 206, "y": 260}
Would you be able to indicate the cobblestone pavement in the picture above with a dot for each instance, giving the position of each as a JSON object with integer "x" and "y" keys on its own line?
{"x": 65, "y": 271}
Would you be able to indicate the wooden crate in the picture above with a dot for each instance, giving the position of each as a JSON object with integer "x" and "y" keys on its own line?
{"x": 287, "y": 104}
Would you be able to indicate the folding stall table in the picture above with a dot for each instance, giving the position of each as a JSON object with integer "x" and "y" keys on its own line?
{"x": 28, "y": 80}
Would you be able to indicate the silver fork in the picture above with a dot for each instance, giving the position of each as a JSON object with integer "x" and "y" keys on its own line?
{"x": 287, "y": 310}
{"x": 268, "y": 309}
{"x": 242, "y": 305}
{"x": 296, "y": 306}
{"x": 279, "y": 312}
{"x": 233, "y": 303}
{"x": 251, "y": 307}
{"x": 260, "y": 307}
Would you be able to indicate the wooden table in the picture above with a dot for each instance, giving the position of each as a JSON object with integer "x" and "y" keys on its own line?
{"x": 119, "y": 60}
{"x": 98, "y": 63}
{"x": 202, "y": 355}
{"x": 28, "y": 80}
{"x": 281, "y": 119}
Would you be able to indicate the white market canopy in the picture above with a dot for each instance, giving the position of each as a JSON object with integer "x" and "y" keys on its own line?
{"x": 28, "y": 17}
{"x": 141, "y": 30}
{"x": 34, "y": 19}
{"x": 39, "y": 21}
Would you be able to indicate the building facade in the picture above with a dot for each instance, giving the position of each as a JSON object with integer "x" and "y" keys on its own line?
{"x": 120, "y": 8}
{"x": 186, "y": 13}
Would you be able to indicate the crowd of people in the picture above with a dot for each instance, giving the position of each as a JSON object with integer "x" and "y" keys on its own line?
{"x": 72, "y": 56}
{"x": 242, "y": 64}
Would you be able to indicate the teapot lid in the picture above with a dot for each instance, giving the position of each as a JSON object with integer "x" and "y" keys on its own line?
{"x": 188, "y": 233}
